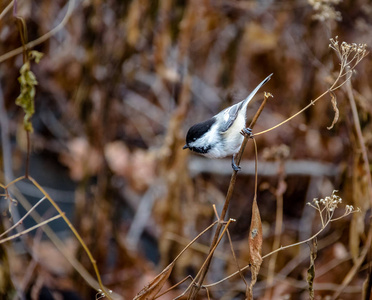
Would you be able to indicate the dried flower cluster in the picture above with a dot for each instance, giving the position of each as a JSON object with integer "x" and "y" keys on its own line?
{"x": 327, "y": 206}
{"x": 349, "y": 53}
{"x": 324, "y": 10}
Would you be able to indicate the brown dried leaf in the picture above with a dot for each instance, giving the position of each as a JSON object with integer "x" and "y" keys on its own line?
{"x": 254, "y": 247}
{"x": 142, "y": 169}
{"x": 118, "y": 157}
{"x": 152, "y": 289}
{"x": 82, "y": 158}
{"x": 335, "y": 108}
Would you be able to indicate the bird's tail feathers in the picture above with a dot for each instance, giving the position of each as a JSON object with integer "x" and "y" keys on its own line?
{"x": 251, "y": 95}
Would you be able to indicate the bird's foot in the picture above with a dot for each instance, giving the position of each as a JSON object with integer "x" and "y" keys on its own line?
{"x": 247, "y": 132}
{"x": 234, "y": 165}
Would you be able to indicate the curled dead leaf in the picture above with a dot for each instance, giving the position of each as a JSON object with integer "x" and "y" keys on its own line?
{"x": 254, "y": 247}
{"x": 335, "y": 108}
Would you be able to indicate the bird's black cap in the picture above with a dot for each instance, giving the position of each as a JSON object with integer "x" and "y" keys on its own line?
{"x": 198, "y": 130}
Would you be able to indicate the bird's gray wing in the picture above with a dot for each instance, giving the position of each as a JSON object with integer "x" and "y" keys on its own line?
{"x": 229, "y": 115}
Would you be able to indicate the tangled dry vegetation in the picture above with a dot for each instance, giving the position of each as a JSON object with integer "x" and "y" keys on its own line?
{"x": 95, "y": 99}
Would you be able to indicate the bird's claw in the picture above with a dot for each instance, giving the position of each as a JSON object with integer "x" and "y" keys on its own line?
{"x": 247, "y": 132}
{"x": 234, "y": 165}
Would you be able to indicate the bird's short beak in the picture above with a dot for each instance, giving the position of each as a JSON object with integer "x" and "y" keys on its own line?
{"x": 185, "y": 147}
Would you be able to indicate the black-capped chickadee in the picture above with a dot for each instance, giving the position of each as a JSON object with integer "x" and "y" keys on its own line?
{"x": 221, "y": 135}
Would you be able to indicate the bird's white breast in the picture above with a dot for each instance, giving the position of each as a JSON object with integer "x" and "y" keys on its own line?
{"x": 233, "y": 137}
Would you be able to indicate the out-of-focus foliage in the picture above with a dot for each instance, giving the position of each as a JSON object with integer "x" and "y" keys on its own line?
{"x": 118, "y": 87}
{"x": 28, "y": 82}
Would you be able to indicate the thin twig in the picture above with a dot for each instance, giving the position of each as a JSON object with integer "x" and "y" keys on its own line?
{"x": 24, "y": 217}
{"x": 363, "y": 149}
{"x": 12, "y": 182}
{"x": 312, "y": 102}
{"x": 59, "y": 244}
{"x": 44, "y": 37}
{"x": 27, "y": 168}
{"x": 349, "y": 276}
{"x": 268, "y": 254}
{"x": 336, "y": 85}
{"x": 77, "y": 235}
{"x": 6, "y": 9}
{"x": 174, "y": 286}
{"x": 235, "y": 259}
{"x": 207, "y": 260}
{"x": 278, "y": 225}
{"x": 360, "y": 137}
{"x": 31, "y": 228}
{"x": 179, "y": 255}
{"x": 5, "y": 140}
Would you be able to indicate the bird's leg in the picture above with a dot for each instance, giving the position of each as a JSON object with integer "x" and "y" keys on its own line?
{"x": 247, "y": 132}
{"x": 234, "y": 165}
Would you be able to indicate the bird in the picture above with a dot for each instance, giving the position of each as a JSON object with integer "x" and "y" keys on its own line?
{"x": 223, "y": 134}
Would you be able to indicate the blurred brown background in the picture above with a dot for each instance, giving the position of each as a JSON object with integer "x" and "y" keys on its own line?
{"x": 120, "y": 84}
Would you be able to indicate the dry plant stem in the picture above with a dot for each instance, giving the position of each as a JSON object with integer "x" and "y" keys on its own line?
{"x": 207, "y": 293}
{"x": 278, "y": 228}
{"x": 197, "y": 247}
{"x": 5, "y": 140}
{"x": 255, "y": 260}
{"x": 77, "y": 235}
{"x": 302, "y": 242}
{"x": 28, "y": 154}
{"x": 334, "y": 87}
{"x": 178, "y": 256}
{"x": 53, "y": 237}
{"x": 200, "y": 277}
{"x": 6, "y": 9}
{"x": 255, "y": 170}
{"x": 295, "y": 115}
{"x": 5, "y": 187}
{"x": 207, "y": 261}
{"x": 360, "y": 137}
{"x": 29, "y": 271}
{"x": 91, "y": 281}
{"x": 281, "y": 248}
{"x": 24, "y": 217}
{"x": 232, "y": 249}
{"x": 356, "y": 265}
{"x": 194, "y": 240}
{"x": 235, "y": 259}
{"x": 271, "y": 253}
{"x": 31, "y": 228}
{"x": 44, "y": 37}
{"x": 367, "y": 245}
{"x": 174, "y": 286}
